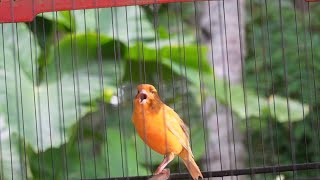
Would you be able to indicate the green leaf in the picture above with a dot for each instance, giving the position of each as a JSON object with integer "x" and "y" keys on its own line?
{"x": 125, "y": 158}
{"x": 80, "y": 53}
{"x": 247, "y": 104}
{"x": 194, "y": 55}
{"x": 173, "y": 60}
{"x": 45, "y": 113}
{"x": 18, "y": 46}
{"x": 44, "y": 110}
{"x": 65, "y": 163}
{"x": 121, "y": 23}
{"x": 13, "y": 164}
{"x": 63, "y": 18}
{"x": 94, "y": 162}
{"x": 287, "y": 111}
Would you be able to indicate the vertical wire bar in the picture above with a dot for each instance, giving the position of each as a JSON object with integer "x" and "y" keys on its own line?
{"x": 140, "y": 68}
{"x": 38, "y": 95}
{"x": 121, "y": 105}
{"x": 35, "y": 79}
{"x": 138, "y": 45}
{"x": 181, "y": 72}
{"x": 7, "y": 100}
{"x": 142, "y": 48}
{"x": 315, "y": 145}
{"x": 144, "y": 67}
{"x": 203, "y": 116}
{"x": 287, "y": 93}
{"x": 300, "y": 79}
{"x": 185, "y": 70}
{"x": 214, "y": 83}
{"x": 48, "y": 105}
{"x": 14, "y": 38}
{"x": 104, "y": 117}
{"x": 202, "y": 90}
{"x": 77, "y": 110}
{"x": 155, "y": 26}
{"x": 170, "y": 54}
{"x": 256, "y": 76}
{"x": 142, "y": 75}
{"x": 21, "y": 102}
{"x": 156, "y": 42}
{"x": 172, "y": 74}
{"x": 76, "y": 88}
{"x": 301, "y": 84}
{"x": 16, "y": 85}
{"x": 1, "y": 155}
{"x": 89, "y": 88}
{"x": 55, "y": 19}
{"x": 161, "y": 84}
{"x": 131, "y": 89}
{"x": 313, "y": 75}
{"x": 117, "y": 87}
{"x": 34, "y": 76}
{"x": 158, "y": 56}
{"x": 22, "y": 114}
{"x": 230, "y": 97}
{"x": 101, "y": 84}
{"x": 1, "y": 116}
{"x": 224, "y": 78}
{"x": 159, "y": 64}
{"x": 57, "y": 61}
{"x": 266, "y": 41}
{"x": 273, "y": 90}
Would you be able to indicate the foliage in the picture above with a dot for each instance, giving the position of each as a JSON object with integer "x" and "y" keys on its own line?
{"x": 62, "y": 96}
{"x": 283, "y": 60}
{"x": 68, "y": 82}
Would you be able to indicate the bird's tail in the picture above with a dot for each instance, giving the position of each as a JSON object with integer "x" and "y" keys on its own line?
{"x": 190, "y": 164}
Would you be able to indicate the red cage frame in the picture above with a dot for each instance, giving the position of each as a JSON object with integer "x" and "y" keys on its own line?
{"x": 26, "y": 10}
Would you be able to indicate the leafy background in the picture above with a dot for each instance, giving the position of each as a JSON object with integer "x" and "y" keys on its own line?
{"x": 285, "y": 63}
{"x": 68, "y": 80}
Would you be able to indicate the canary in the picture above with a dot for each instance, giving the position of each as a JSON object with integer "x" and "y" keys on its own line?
{"x": 161, "y": 128}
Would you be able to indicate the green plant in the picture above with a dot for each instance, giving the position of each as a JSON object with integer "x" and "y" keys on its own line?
{"x": 67, "y": 83}
{"x": 281, "y": 61}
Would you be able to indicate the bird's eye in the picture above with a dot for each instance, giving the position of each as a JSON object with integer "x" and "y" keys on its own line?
{"x": 138, "y": 92}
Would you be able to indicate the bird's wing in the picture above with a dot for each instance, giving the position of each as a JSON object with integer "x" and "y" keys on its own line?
{"x": 177, "y": 127}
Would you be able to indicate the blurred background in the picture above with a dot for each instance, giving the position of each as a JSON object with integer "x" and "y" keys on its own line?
{"x": 243, "y": 74}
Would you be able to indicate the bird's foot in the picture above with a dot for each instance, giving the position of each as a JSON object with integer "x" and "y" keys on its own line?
{"x": 166, "y": 172}
{"x": 162, "y": 175}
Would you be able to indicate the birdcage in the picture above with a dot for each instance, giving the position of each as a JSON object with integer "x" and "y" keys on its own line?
{"x": 242, "y": 75}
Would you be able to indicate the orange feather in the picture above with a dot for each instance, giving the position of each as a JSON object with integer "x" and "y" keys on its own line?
{"x": 161, "y": 128}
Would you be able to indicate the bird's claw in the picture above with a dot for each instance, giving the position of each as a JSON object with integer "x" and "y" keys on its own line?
{"x": 166, "y": 172}
{"x": 161, "y": 175}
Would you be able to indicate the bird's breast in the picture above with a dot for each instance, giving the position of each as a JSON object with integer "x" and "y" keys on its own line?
{"x": 152, "y": 129}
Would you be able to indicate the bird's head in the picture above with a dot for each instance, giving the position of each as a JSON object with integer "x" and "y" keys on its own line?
{"x": 147, "y": 96}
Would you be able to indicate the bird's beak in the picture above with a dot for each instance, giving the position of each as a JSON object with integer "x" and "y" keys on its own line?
{"x": 143, "y": 96}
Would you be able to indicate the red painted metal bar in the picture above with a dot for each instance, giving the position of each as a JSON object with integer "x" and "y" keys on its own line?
{"x": 26, "y": 10}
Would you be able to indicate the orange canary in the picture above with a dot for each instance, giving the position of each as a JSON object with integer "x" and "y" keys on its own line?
{"x": 161, "y": 128}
